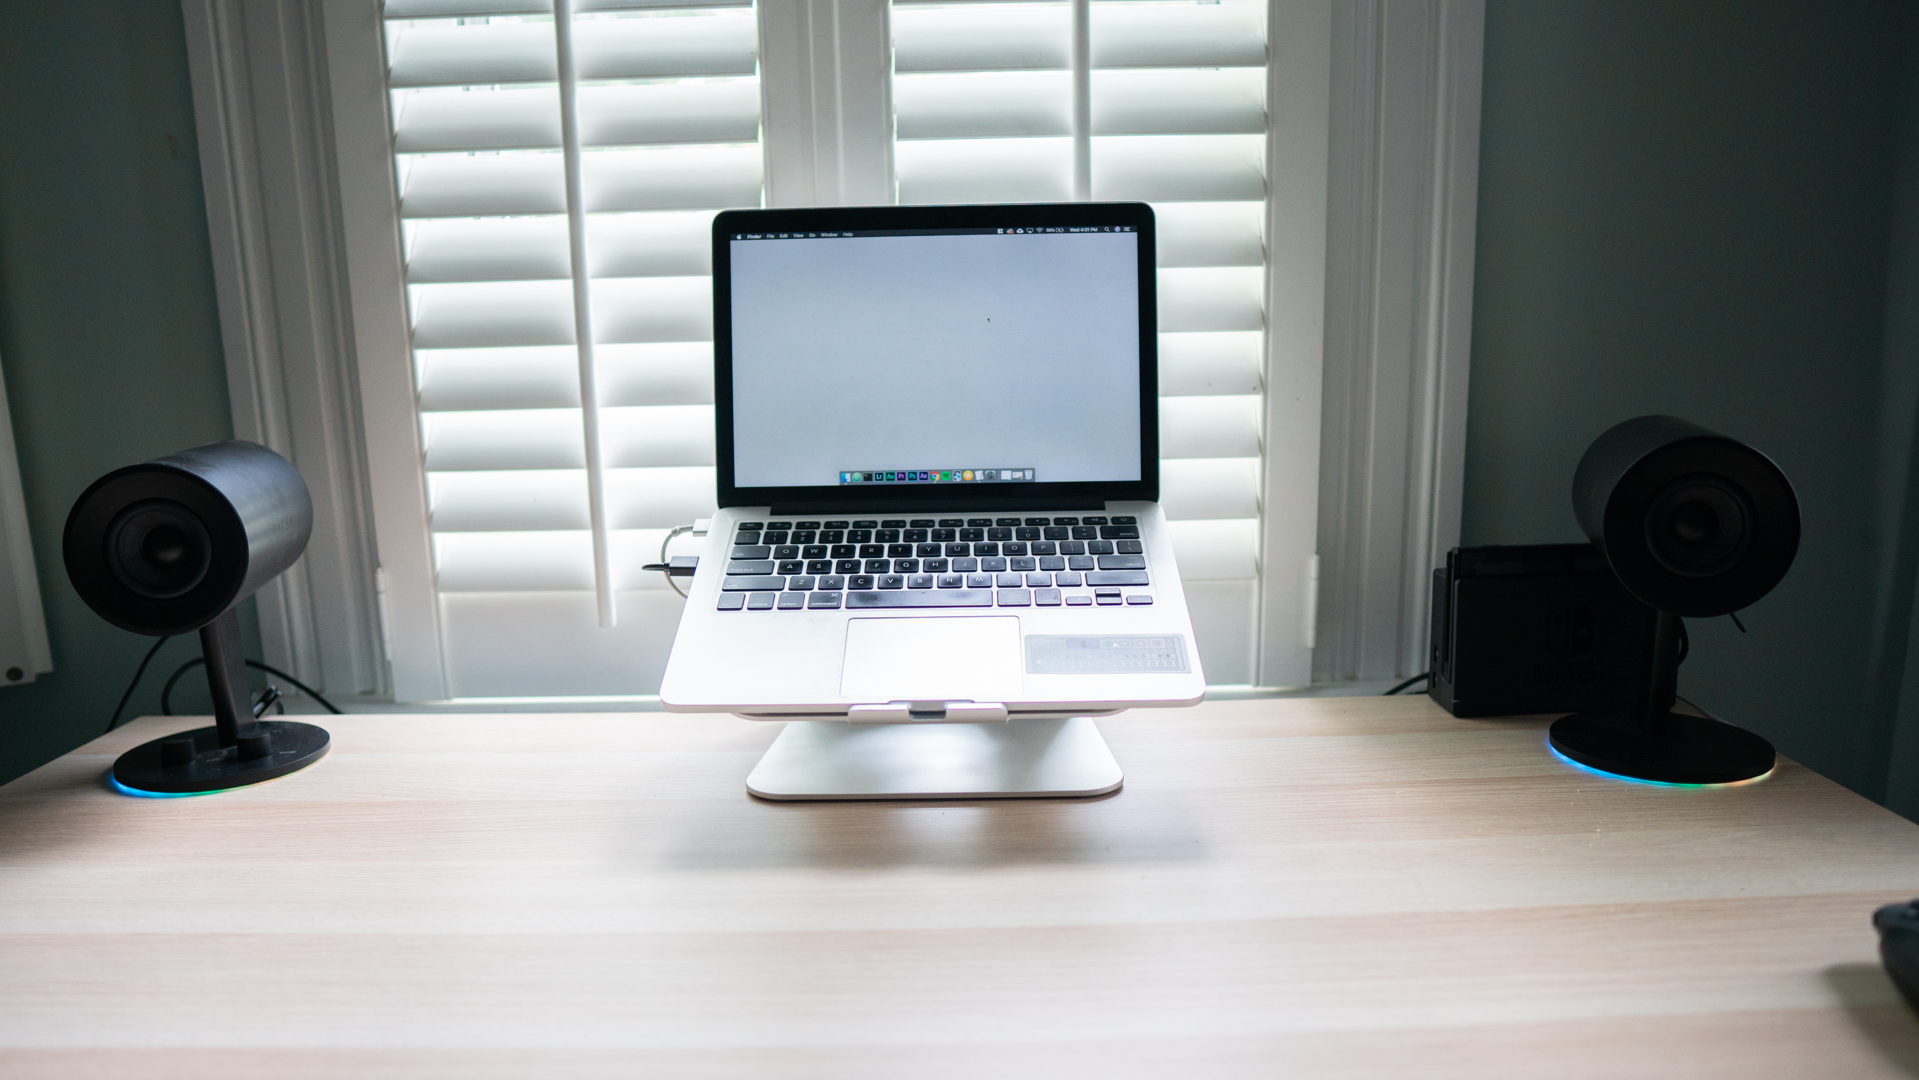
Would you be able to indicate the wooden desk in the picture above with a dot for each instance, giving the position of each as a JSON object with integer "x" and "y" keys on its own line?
{"x": 1345, "y": 887}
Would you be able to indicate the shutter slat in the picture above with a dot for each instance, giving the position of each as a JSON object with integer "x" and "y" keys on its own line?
{"x": 664, "y": 373}
{"x": 515, "y": 500}
{"x": 664, "y": 45}
{"x": 659, "y": 498}
{"x": 984, "y": 170}
{"x": 989, "y": 104}
{"x": 1211, "y": 298}
{"x": 982, "y": 37}
{"x": 476, "y": 185}
{"x": 672, "y": 178}
{"x": 529, "y": 644}
{"x": 441, "y": 118}
{"x": 536, "y": 377}
{"x": 1211, "y": 233}
{"x": 1180, "y": 102}
{"x": 504, "y": 439}
{"x": 1209, "y": 427}
{"x": 1179, "y": 168}
{"x": 1215, "y": 550}
{"x": 483, "y": 54}
{"x": 692, "y": 111}
{"x": 673, "y": 243}
{"x": 1209, "y": 363}
{"x": 486, "y": 249}
{"x": 438, "y": 9}
{"x": 514, "y": 561}
{"x": 1134, "y": 34}
{"x": 1202, "y": 488}
{"x": 653, "y": 309}
{"x": 657, "y": 436}
{"x": 458, "y": 315}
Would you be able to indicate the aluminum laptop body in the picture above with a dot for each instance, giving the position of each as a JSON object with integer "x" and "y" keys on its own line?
{"x": 890, "y": 380}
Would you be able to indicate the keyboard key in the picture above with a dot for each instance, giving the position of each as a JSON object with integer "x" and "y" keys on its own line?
{"x": 1038, "y": 581}
{"x": 1107, "y": 601}
{"x": 750, "y": 566}
{"x": 970, "y": 535}
{"x": 1125, "y": 520}
{"x": 1117, "y": 577}
{"x": 872, "y": 551}
{"x": 1081, "y": 562}
{"x": 752, "y": 526}
{"x": 760, "y": 601}
{"x": 951, "y": 523}
{"x": 1023, "y": 563}
{"x": 965, "y": 566}
{"x": 1099, "y": 547}
{"x": 1039, "y": 521}
{"x": 919, "y": 581}
{"x": 986, "y": 547}
{"x": 1013, "y": 548}
{"x": 1015, "y": 598}
{"x": 914, "y": 536}
{"x": 1122, "y": 562}
{"x": 786, "y": 551}
{"x": 1026, "y": 532}
{"x": 906, "y": 566}
{"x": 899, "y": 551}
{"x": 893, "y": 523}
{"x": 1052, "y": 562}
{"x": 1130, "y": 547}
{"x": 819, "y": 566}
{"x": 752, "y": 584}
{"x": 1107, "y": 592}
{"x": 1085, "y": 532}
{"x": 859, "y": 581}
{"x": 733, "y": 601}
{"x": 878, "y": 566}
{"x": 1079, "y": 600}
{"x": 978, "y": 523}
{"x": 893, "y": 581}
{"x": 773, "y": 537}
{"x": 846, "y": 566}
{"x": 792, "y": 566}
{"x": 992, "y": 566}
{"x": 1045, "y": 547}
{"x": 952, "y": 581}
{"x": 958, "y": 549}
{"x": 844, "y": 551}
{"x": 886, "y": 536}
{"x": 1046, "y": 597}
{"x": 924, "y": 550}
{"x": 1119, "y": 532}
{"x": 832, "y": 582}
{"x": 823, "y": 600}
{"x": 1066, "y": 579}
{"x": 804, "y": 536}
{"x": 934, "y": 566}
{"x": 859, "y": 536}
{"x": 943, "y": 536}
{"x": 752, "y": 551}
{"x": 923, "y": 523}
{"x": 1006, "y": 522}
{"x": 1093, "y": 520}
{"x": 1010, "y": 581}
{"x": 1072, "y": 547}
{"x": 803, "y": 583}
{"x": 806, "y": 525}
{"x": 979, "y": 581}
{"x": 1066, "y": 521}
{"x": 813, "y": 551}
{"x": 929, "y": 598}
{"x": 999, "y": 534}
{"x": 866, "y": 524}
{"x": 790, "y": 601}
{"x": 835, "y": 525}
{"x": 1056, "y": 532}
{"x": 1139, "y": 598}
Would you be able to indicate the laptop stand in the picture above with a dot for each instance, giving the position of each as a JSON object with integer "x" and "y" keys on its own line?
{"x": 1015, "y": 759}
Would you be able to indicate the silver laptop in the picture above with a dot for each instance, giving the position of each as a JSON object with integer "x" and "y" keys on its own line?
{"x": 938, "y": 470}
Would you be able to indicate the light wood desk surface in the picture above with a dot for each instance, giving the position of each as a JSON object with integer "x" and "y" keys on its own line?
{"x": 1347, "y": 887}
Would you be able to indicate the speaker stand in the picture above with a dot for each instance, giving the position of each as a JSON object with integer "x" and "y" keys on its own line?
{"x": 1016, "y": 759}
{"x": 238, "y": 750}
{"x": 1657, "y": 744}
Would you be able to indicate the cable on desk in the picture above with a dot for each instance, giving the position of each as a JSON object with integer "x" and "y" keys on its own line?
{"x": 166, "y": 692}
{"x": 137, "y": 672}
{"x": 1419, "y": 678}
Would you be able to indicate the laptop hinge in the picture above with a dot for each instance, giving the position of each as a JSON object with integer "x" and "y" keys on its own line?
{"x": 929, "y": 712}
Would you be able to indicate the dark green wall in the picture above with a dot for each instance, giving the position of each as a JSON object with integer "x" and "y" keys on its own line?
{"x": 1685, "y": 209}
{"x": 109, "y": 335}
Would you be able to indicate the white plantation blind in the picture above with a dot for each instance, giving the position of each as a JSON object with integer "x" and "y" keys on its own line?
{"x": 1173, "y": 114}
{"x": 666, "y": 133}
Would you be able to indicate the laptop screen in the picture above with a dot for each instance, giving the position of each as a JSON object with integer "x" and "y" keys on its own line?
{"x": 914, "y": 361}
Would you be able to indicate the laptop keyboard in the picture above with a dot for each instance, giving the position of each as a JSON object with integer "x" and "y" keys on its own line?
{"x": 936, "y": 563}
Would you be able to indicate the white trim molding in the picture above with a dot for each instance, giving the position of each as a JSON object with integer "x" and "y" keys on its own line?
{"x": 1405, "y": 184}
{"x": 24, "y": 651}
{"x": 826, "y": 102}
{"x": 267, "y": 163}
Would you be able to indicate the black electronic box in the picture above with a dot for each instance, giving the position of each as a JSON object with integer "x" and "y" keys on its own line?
{"x": 1542, "y": 628}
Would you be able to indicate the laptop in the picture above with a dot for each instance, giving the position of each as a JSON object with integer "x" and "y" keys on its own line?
{"x": 938, "y": 470}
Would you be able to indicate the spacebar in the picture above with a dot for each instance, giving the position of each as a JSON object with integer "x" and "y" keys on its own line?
{"x": 921, "y": 598}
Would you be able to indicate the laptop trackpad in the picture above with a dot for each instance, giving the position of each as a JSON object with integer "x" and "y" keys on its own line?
{"x": 938, "y": 659}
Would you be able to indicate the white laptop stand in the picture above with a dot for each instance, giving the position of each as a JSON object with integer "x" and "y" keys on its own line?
{"x": 936, "y": 759}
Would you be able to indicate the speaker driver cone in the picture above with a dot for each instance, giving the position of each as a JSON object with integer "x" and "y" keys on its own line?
{"x": 1699, "y": 526}
{"x": 158, "y": 549}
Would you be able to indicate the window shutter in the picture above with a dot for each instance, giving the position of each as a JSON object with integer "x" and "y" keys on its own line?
{"x": 984, "y": 92}
{"x": 668, "y": 134}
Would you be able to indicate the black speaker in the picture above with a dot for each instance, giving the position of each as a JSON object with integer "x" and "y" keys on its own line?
{"x": 169, "y": 546}
{"x": 1694, "y": 524}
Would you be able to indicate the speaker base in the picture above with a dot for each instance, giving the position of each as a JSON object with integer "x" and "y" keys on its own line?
{"x": 143, "y": 769}
{"x": 1688, "y": 750}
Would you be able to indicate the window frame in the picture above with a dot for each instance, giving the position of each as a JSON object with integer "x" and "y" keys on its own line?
{"x": 291, "y": 106}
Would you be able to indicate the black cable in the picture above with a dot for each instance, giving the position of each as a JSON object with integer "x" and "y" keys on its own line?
{"x": 1736, "y": 622}
{"x": 1419, "y": 678}
{"x": 1685, "y": 644}
{"x": 166, "y": 692}
{"x": 137, "y": 672}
